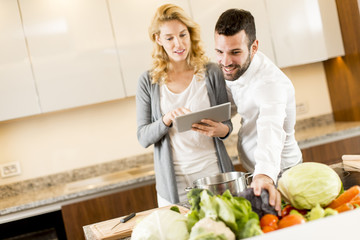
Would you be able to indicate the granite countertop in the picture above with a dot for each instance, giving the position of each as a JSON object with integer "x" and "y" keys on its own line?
{"x": 49, "y": 193}
{"x": 30, "y": 198}
{"x": 318, "y": 135}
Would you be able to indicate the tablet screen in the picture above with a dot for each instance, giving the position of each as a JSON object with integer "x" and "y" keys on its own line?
{"x": 218, "y": 113}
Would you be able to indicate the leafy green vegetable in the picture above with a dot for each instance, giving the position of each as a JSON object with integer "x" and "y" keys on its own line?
{"x": 308, "y": 184}
{"x": 194, "y": 197}
{"x": 329, "y": 212}
{"x": 192, "y": 218}
{"x": 251, "y": 228}
{"x": 226, "y": 213}
{"x": 175, "y": 209}
{"x": 319, "y": 212}
{"x": 235, "y": 212}
{"x": 315, "y": 213}
{"x": 295, "y": 212}
{"x": 207, "y": 204}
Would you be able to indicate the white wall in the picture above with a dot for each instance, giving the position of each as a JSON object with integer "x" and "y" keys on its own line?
{"x": 61, "y": 141}
{"x": 80, "y": 137}
{"x": 311, "y": 89}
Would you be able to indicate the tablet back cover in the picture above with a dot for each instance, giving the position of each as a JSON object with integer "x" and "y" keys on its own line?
{"x": 218, "y": 113}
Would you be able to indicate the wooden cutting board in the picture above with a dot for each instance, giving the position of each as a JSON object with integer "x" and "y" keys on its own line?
{"x": 351, "y": 160}
{"x": 355, "y": 164}
{"x": 103, "y": 230}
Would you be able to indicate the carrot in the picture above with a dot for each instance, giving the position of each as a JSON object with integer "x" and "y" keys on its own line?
{"x": 356, "y": 198}
{"x": 345, "y": 197}
{"x": 354, "y": 203}
{"x": 344, "y": 207}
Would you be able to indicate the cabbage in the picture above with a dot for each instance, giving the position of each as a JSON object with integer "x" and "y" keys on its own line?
{"x": 162, "y": 224}
{"x": 308, "y": 184}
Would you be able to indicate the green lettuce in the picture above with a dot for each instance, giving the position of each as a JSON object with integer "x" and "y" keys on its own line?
{"x": 235, "y": 212}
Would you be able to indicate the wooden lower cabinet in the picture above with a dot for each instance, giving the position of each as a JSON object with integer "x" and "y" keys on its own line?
{"x": 77, "y": 215}
{"x": 331, "y": 153}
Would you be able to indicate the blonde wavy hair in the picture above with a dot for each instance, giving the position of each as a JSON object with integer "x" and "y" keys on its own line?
{"x": 161, "y": 64}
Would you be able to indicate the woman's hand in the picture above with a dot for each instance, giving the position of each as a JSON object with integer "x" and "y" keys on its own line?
{"x": 211, "y": 128}
{"x": 169, "y": 117}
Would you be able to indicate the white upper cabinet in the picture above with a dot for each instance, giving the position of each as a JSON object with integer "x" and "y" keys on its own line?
{"x": 207, "y": 12}
{"x": 131, "y": 20}
{"x": 72, "y": 51}
{"x": 62, "y": 54}
{"x": 18, "y": 96}
{"x": 304, "y": 31}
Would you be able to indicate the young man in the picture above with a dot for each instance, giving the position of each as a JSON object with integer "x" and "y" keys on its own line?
{"x": 265, "y": 100}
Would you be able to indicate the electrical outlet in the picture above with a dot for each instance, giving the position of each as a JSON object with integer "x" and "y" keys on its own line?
{"x": 10, "y": 169}
{"x": 302, "y": 108}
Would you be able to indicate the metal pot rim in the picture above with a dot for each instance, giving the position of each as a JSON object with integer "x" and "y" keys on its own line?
{"x": 215, "y": 179}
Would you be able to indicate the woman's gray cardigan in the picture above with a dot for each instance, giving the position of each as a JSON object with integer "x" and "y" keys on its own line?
{"x": 152, "y": 130}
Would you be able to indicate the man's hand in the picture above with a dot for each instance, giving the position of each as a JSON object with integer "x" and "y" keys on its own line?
{"x": 211, "y": 128}
{"x": 262, "y": 181}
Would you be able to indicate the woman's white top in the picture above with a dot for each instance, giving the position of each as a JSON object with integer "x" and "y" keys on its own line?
{"x": 265, "y": 100}
{"x": 192, "y": 151}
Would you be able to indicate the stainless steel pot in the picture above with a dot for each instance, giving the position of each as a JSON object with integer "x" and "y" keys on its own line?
{"x": 236, "y": 182}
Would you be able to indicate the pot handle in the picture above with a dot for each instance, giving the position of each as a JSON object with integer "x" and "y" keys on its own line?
{"x": 187, "y": 189}
{"x": 248, "y": 178}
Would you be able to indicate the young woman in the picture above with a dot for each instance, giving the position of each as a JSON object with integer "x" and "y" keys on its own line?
{"x": 181, "y": 80}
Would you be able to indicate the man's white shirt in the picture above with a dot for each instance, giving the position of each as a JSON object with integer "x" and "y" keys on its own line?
{"x": 265, "y": 99}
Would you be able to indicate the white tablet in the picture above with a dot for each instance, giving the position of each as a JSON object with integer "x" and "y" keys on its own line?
{"x": 218, "y": 113}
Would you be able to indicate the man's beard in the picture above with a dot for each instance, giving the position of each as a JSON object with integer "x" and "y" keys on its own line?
{"x": 240, "y": 69}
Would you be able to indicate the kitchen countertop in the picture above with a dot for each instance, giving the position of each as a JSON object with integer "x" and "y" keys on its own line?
{"x": 49, "y": 199}
{"x": 318, "y": 135}
{"x": 47, "y": 194}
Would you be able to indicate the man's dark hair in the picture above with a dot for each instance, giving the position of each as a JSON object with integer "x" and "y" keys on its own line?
{"x": 233, "y": 21}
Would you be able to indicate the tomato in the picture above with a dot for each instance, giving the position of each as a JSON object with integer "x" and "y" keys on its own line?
{"x": 287, "y": 209}
{"x": 266, "y": 229}
{"x": 269, "y": 220}
{"x": 302, "y": 211}
{"x": 291, "y": 220}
